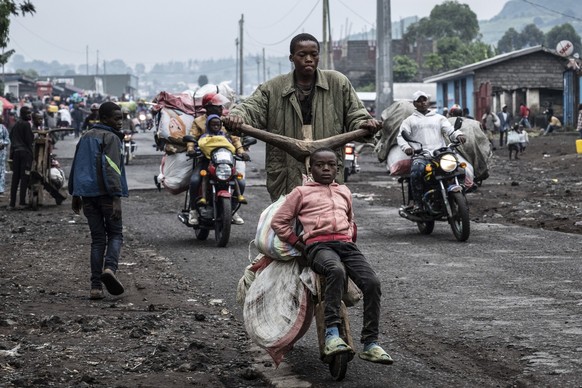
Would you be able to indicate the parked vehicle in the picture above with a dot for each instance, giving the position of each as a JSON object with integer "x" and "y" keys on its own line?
{"x": 444, "y": 197}
{"x": 218, "y": 190}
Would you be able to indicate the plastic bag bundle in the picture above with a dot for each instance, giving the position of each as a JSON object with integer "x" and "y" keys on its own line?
{"x": 267, "y": 241}
{"x": 278, "y": 309}
{"x": 173, "y": 124}
{"x": 175, "y": 172}
{"x": 251, "y": 270}
{"x": 57, "y": 177}
{"x": 477, "y": 149}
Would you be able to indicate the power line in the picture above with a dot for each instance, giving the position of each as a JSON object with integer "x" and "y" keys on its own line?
{"x": 46, "y": 41}
{"x": 280, "y": 19}
{"x": 551, "y": 10}
{"x": 355, "y": 13}
{"x": 288, "y": 36}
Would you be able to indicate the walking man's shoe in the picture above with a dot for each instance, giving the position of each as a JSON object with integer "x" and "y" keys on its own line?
{"x": 96, "y": 294}
{"x": 113, "y": 285}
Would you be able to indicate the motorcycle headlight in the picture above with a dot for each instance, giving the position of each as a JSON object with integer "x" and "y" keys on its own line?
{"x": 448, "y": 163}
{"x": 127, "y": 137}
{"x": 142, "y": 117}
{"x": 223, "y": 171}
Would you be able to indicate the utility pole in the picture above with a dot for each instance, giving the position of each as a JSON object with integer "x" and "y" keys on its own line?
{"x": 384, "y": 84}
{"x": 326, "y": 40}
{"x": 87, "y": 60}
{"x": 264, "y": 67}
{"x": 240, "y": 38}
{"x": 258, "y": 70}
{"x": 236, "y": 63}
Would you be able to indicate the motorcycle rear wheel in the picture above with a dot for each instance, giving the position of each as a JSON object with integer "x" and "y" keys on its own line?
{"x": 223, "y": 222}
{"x": 460, "y": 222}
{"x": 425, "y": 227}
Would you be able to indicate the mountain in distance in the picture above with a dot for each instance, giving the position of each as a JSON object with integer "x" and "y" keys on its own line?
{"x": 544, "y": 14}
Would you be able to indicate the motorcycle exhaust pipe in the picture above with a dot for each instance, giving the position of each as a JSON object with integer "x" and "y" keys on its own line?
{"x": 404, "y": 214}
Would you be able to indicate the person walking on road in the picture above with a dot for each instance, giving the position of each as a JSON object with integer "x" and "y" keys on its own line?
{"x": 505, "y": 122}
{"x": 22, "y": 142}
{"x": 97, "y": 182}
{"x": 306, "y": 104}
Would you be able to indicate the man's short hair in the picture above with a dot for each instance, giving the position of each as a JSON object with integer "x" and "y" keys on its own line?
{"x": 107, "y": 108}
{"x": 24, "y": 110}
{"x": 302, "y": 38}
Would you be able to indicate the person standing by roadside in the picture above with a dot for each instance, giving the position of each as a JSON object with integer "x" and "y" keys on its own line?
{"x": 97, "y": 182}
{"x": 524, "y": 116}
{"x": 505, "y": 121}
{"x": 490, "y": 123}
{"x": 21, "y": 139}
{"x": 306, "y": 104}
{"x": 4, "y": 147}
{"x": 579, "y": 128}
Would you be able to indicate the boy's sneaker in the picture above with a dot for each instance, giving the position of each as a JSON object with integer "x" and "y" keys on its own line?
{"x": 96, "y": 294}
{"x": 113, "y": 285}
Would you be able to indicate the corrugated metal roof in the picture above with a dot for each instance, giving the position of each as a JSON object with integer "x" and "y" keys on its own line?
{"x": 470, "y": 69}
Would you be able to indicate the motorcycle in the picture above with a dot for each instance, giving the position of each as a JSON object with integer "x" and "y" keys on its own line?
{"x": 351, "y": 165}
{"x": 444, "y": 197}
{"x": 145, "y": 120}
{"x": 129, "y": 146}
{"x": 221, "y": 185}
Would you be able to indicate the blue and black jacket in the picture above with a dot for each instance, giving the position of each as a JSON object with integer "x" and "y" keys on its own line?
{"x": 98, "y": 164}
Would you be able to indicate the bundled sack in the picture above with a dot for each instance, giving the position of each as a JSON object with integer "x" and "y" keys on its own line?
{"x": 173, "y": 124}
{"x": 477, "y": 149}
{"x": 175, "y": 172}
{"x": 267, "y": 241}
{"x": 258, "y": 264}
{"x": 392, "y": 117}
{"x": 57, "y": 177}
{"x": 278, "y": 309}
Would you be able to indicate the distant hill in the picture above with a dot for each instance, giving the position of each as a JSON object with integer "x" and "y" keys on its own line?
{"x": 519, "y": 13}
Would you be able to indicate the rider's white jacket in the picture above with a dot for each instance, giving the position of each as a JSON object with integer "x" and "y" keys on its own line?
{"x": 430, "y": 130}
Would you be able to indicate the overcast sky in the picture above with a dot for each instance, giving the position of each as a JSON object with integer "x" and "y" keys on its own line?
{"x": 153, "y": 31}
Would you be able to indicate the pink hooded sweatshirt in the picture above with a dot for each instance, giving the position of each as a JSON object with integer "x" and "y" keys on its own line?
{"x": 325, "y": 211}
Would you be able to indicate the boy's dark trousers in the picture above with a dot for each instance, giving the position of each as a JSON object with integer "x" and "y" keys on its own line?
{"x": 326, "y": 259}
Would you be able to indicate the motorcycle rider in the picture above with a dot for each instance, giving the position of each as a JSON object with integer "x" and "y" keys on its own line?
{"x": 428, "y": 128}
{"x": 213, "y": 105}
{"x": 92, "y": 118}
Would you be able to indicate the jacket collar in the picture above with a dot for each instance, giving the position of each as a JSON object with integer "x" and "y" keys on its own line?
{"x": 109, "y": 129}
{"x": 312, "y": 183}
{"x": 289, "y": 82}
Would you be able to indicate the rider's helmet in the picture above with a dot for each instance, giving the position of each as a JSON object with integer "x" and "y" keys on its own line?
{"x": 455, "y": 110}
{"x": 95, "y": 106}
{"x": 214, "y": 99}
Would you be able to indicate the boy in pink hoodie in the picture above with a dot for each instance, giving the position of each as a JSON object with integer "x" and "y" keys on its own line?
{"x": 324, "y": 209}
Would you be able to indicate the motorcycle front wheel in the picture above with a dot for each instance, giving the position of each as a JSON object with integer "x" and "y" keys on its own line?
{"x": 460, "y": 222}
{"x": 223, "y": 222}
{"x": 127, "y": 157}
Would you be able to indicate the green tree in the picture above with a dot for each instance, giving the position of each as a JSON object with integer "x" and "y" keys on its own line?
{"x": 10, "y": 8}
{"x": 30, "y": 73}
{"x": 448, "y": 19}
{"x": 404, "y": 69}
{"x": 510, "y": 41}
{"x": 531, "y": 36}
{"x": 433, "y": 62}
{"x": 563, "y": 32}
